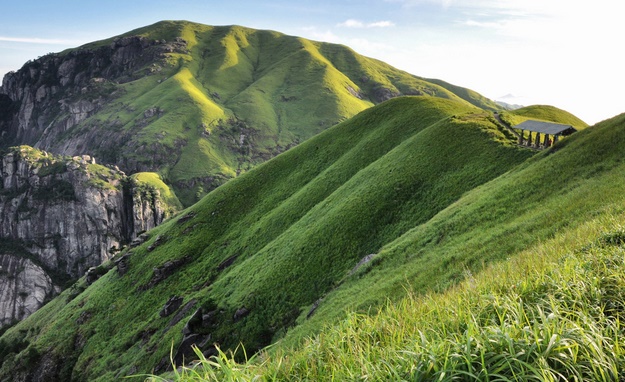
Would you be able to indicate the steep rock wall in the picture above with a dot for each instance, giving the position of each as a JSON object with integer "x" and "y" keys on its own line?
{"x": 52, "y": 94}
{"x": 67, "y": 214}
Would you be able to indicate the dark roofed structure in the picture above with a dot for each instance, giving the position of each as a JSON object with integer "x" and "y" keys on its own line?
{"x": 546, "y": 127}
{"x": 549, "y": 130}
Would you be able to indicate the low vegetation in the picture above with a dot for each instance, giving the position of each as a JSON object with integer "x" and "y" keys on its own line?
{"x": 551, "y": 313}
{"x": 432, "y": 193}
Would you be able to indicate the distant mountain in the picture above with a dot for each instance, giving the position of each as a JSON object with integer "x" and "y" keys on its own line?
{"x": 196, "y": 103}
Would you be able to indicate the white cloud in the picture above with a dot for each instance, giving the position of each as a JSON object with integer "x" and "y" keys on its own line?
{"x": 352, "y": 23}
{"x": 314, "y": 33}
{"x": 36, "y": 40}
{"x": 381, "y": 24}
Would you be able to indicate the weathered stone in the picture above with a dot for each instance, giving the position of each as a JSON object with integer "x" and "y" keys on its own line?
{"x": 226, "y": 263}
{"x": 160, "y": 239}
{"x": 69, "y": 222}
{"x": 181, "y": 313}
{"x": 362, "y": 262}
{"x": 171, "y": 306}
{"x": 122, "y": 264}
{"x": 186, "y": 217}
{"x": 164, "y": 271}
{"x": 91, "y": 275}
{"x": 313, "y": 308}
{"x": 240, "y": 313}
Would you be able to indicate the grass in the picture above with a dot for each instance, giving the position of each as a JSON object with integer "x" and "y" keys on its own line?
{"x": 154, "y": 181}
{"x": 551, "y": 313}
{"x": 430, "y": 186}
{"x": 354, "y": 189}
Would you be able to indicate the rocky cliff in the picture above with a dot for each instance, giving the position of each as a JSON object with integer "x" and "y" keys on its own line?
{"x": 59, "y": 216}
{"x": 54, "y": 93}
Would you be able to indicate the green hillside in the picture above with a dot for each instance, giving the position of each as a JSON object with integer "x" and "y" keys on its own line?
{"x": 257, "y": 252}
{"x": 220, "y": 100}
{"x": 550, "y": 309}
{"x": 544, "y": 113}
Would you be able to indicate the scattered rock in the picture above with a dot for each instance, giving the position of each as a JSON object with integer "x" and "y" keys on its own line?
{"x": 226, "y": 263}
{"x": 181, "y": 313}
{"x": 194, "y": 321}
{"x": 355, "y": 93}
{"x": 186, "y": 352}
{"x": 186, "y": 217}
{"x": 91, "y": 275}
{"x": 137, "y": 241}
{"x": 362, "y": 262}
{"x": 313, "y": 308}
{"x": 160, "y": 239}
{"x": 164, "y": 271}
{"x": 122, "y": 264}
{"x": 171, "y": 306}
{"x": 382, "y": 94}
{"x": 240, "y": 313}
{"x": 84, "y": 317}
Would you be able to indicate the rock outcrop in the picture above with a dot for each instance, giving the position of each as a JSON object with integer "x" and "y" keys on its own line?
{"x": 56, "y": 92}
{"x": 66, "y": 215}
{"x": 24, "y": 287}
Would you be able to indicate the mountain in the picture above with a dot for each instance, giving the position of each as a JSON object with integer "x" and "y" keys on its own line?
{"x": 178, "y": 107}
{"x": 519, "y": 279}
{"x": 198, "y": 104}
{"x": 247, "y": 263}
{"x": 416, "y": 193}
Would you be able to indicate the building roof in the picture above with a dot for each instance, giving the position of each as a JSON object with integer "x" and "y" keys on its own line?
{"x": 546, "y": 127}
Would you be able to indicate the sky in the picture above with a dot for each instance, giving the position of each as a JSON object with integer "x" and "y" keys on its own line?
{"x": 565, "y": 53}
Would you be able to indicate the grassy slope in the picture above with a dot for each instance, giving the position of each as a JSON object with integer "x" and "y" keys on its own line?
{"x": 544, "y": 113}
{"x": 153, "y": 180}
{"x": 552, "y": 309}
{"x": 239, "y": 96}
{"x": 295, "y": 226}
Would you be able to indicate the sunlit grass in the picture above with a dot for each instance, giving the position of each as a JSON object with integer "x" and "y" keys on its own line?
{"x": 552, "y": 313}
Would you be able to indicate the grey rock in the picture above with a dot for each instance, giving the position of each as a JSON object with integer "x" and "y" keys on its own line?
{"x": 65, "y": 221}
{"x": 171, "y": 306}
{"x": 240, "y": 313}
{"x": 24, "y": 287}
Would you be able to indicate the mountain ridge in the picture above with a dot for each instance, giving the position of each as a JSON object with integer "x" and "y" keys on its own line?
{"x": 302, "y": 219}
{"x": 420, "y": 189}
{"x": 196, "y": 103}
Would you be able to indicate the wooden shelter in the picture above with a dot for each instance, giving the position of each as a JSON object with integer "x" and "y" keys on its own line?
{"x": 551, "y": 132}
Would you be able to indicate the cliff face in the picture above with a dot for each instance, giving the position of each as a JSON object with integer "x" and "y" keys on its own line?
{"x": 24, "y": 287}
{"x": 49, "y": 96}
{"x": 66, "y": 215}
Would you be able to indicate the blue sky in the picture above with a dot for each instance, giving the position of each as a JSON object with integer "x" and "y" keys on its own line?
{"x": 565, "y": 53}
